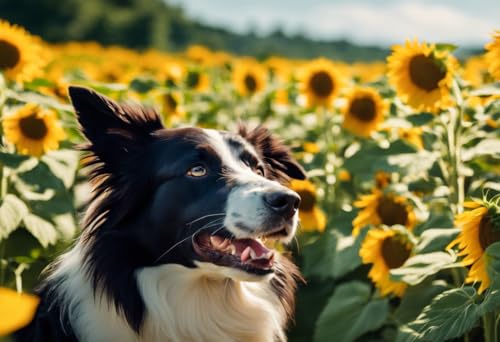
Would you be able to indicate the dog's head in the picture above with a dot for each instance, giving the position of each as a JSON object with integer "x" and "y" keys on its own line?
{"x": 197, "y": 197}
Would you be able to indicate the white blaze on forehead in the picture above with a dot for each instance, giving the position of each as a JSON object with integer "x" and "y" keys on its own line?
{"x": 230, "y": 159}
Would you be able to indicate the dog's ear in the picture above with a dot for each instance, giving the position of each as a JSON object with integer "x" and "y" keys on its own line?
{"x": 274, "y": 152}
{"x": 115, "y": 132}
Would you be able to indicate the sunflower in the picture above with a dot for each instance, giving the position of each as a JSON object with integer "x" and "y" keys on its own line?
{"x": 16, "y": 311}
{"x": 21, "y": 55}
{"x": 197, "y": 80}
{"x": 364, "y": 111}
{"x": 199, "y": 54}
{"x": 312, "y": 218}
{"x": 33, "y": 130}
{"x": 480, "y": 229}
{"x": 249, "y": 77}
{"x": 319, "y": 82}
{"x": 344, "y": 175}
{"x": 172, "y": 106}
{"x": 386, "y": 249}
{"x": 172, "y": 73}
{"x": 382, "y": 179}
{"x": 475, "y": 71}
{"x": 493, "y": 55}
{"x": 279, "y": 68}
{"x": 383, "y": 208}
{"x": 413, "y": 136}
{"x": 422, "y": 75}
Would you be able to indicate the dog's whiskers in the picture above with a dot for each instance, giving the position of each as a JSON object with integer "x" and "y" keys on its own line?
{"x": 203, "y": 217}
{"x": 297, "y": 243}
{"x": 208, "y": 225}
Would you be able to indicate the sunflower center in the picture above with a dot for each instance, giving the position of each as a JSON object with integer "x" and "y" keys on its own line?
{"x": 250, "y": 83}
{"x": 425, "y": 73}
{"x": 193, "y": 79}
{"x": 391, "y": 212}
{"x": 487, "y": 232}
{"x": 321, "y": 84}
{"x": 9, "y": 55}
{"x": 363, "y": 108}
{"x": 170, "y": 102}
{"x": 394, "y": 252}
{"x": 33, "y": 127}
{"x": 307, "y": 200}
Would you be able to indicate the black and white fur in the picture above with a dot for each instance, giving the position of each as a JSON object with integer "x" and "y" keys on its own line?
{"x": 134, "y": 275}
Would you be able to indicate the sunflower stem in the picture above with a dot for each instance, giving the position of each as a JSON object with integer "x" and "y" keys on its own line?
{"x": 3, "y": 263}
{"x": 454, "y": 132}
{"x": 490, "y": 327}
{"x": 327, "y": 131}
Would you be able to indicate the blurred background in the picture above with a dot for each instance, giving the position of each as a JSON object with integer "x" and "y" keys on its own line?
{"x": 392, "y": 107}
{"x": 360, "y": 30}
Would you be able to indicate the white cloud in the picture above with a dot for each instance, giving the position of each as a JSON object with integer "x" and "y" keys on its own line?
{"x": 391, "y": 24}
{"x": 377, "y": 22}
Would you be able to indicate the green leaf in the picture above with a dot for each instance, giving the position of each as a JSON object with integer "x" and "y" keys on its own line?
{"x": 39, "y": 183}
{"x": 484, "y": 147}
{"x": 493, "y": 256}
{"x": 350, "y": 313}
{"x": 414, "y": 163}
{"x": 416, "y": 298}
{"x": 11, "y": 160}
{"x": 63, "y": 164}
{"x": 420, "y": 266}
{"x": 143, "y": 84}
{"x": 446, "y": 47}
{"x": 44, "y": 100}
{"x": 319, "y": 257}
{"x": 451, "y": 314}
{"x": 65, "y": 225}
{"x": 347, "y": 254}
{"x": 435, "y": 239}
{"x": 332, "y": 255}
{"x": 437, "y": 219}
{"x": 372, "y": 158}
{"x": 42, "y": 230}
{"x": 487, "y": 90}
{"x": 12, "y": 210}
{"x": 420, "y": 119}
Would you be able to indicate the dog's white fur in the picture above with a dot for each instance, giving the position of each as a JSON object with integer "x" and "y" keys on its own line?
{"x": 247, "y": 194}
{"x": 182, "y": 304}
{"x": 207, "y": 303}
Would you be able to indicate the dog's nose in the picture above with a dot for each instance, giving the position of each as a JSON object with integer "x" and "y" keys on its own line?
{"x": 284, "y": 203}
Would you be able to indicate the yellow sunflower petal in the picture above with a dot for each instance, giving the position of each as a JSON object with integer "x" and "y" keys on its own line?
{"x": 16, "y": 310}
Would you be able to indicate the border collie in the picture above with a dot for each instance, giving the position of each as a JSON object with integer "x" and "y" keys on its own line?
{"x": 172, "y": 243}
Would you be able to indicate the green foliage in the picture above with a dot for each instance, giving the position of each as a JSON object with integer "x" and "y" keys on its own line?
{"x": 12, "y": 211}
{"x": 391, "y": 181}
{"x": 351, "y": 312}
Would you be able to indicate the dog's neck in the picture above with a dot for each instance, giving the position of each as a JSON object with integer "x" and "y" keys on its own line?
{"x": 187, "y": 304}
{"x": 182, "y": 304}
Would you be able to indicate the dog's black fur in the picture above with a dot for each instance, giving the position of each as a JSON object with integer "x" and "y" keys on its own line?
{"x": 137, "y": 170}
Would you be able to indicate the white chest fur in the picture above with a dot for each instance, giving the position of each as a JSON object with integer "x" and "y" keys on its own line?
{"x": 182, "y": 304}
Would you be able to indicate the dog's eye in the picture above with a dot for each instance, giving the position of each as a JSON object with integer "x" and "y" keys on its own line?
{"x": 260, "y": 171}
{"x": 197, "y": 171}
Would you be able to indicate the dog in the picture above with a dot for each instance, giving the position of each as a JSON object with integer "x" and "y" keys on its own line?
{"x": 172, "y": 247}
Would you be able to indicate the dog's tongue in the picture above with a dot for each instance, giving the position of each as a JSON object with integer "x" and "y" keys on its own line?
{"x": 244, "y": 247}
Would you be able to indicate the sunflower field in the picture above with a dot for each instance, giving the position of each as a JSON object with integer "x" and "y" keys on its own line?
{"x": 399, "y": 236}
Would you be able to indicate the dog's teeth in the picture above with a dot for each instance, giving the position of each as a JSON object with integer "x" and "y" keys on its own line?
{"x": 216, "y": 241}
{"x": 270, "y": 255}
{"x": 246, "y": 254}
{"x": 225, "y": 243}
{"x": 232, "y": 249}
{"x": 252, "y": 254}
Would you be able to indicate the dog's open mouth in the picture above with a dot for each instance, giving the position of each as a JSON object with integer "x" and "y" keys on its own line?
{"x": 249, "y": 255}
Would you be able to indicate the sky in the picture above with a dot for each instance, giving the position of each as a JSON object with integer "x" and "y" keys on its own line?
{"x": 376, "y": 22}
